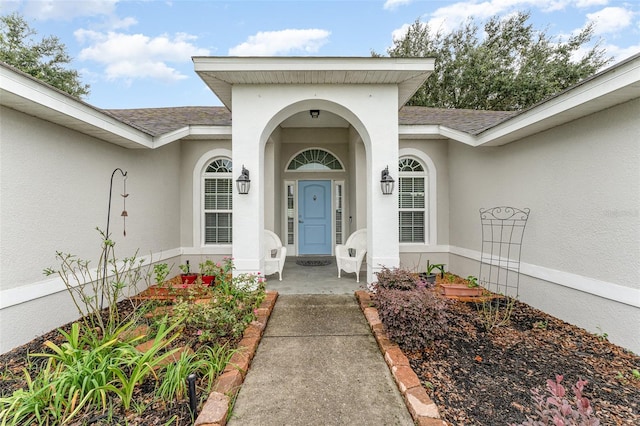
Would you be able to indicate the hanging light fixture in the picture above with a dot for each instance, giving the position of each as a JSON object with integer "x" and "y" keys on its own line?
{"x": 243, "y": 182}
{"x": 314, "y": 113}
{"x": 386, "y": 182}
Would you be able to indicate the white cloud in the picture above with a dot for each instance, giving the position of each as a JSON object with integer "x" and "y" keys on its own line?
{"x": 400, "y": 32}
{"x": 131, "y": 56}
{"x": 610, "y": 20}
{"x": 394, "y": 4}
{"x": 591, "y": 3}
{"x": 68, "y": 9}
{"x": 620, "y": 53}
{"x": 268, "y": 43}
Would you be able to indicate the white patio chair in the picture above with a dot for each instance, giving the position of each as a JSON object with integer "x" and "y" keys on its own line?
{"x": 274, "y": 254}
{"x": 358, "y": 243}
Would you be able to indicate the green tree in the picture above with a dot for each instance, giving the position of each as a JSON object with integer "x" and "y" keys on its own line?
{"x": 508, "y": 66}
{"x": 45, "y": 60}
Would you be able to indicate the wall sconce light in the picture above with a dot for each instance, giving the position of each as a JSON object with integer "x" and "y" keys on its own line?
{"x": 243, "y": 182}
{"x": 315, "y": 113}
{"x": 386, "y": 182}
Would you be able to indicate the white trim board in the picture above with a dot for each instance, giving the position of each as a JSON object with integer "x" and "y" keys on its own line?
{"x": 44, "y": 288}
{"x": 618, "y": 293}
{"x": 628, "y": 296}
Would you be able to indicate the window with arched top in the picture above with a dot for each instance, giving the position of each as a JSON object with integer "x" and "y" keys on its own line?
{"x": 411, "y": 200}
{"x": 217, "y": 185}
{"x": 313, "y": 160}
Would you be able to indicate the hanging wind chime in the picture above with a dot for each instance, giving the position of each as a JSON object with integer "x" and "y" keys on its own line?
{"x": 124, "y": 213}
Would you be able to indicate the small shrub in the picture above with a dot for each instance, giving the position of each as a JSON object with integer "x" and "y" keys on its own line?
{"x": 495, "y": 312}
{"x": 412, "y": 318}
{"x": 396, "y": 279}
{"x": 556, "y": 410}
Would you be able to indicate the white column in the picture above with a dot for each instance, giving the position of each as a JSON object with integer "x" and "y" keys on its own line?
{"x": 248, "y": 216}
{"x": 382, "y": 210}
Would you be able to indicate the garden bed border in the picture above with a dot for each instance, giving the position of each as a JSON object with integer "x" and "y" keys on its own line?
{"x": 422, "y": 409}
{"x": 216, "y": 408}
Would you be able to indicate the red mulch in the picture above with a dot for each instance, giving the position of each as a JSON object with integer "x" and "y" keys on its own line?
{"x": 484, "y": 378}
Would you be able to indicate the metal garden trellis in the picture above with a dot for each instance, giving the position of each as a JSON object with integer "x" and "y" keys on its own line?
{"x": 502, "y": 234}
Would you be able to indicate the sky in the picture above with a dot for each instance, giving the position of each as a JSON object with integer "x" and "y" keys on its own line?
{"x": 137, "y": 54}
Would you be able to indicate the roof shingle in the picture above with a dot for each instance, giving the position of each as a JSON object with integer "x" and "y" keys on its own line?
{"x": 159, "y": 121}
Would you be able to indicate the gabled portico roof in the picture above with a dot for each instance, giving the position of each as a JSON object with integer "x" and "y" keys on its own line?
{"x": 221, "y": 73}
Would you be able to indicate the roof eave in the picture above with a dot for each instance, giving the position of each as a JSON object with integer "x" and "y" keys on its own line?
{"x": 220, "y": 73}
{"x": 30, "y": 96}
{"x": 614, "y": 86}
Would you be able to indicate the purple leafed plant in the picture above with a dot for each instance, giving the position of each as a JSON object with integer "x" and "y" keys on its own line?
{"x": 557, "y": 410}
{"x": 412, "y": 318}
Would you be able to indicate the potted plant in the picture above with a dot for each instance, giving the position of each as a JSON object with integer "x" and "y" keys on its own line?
{"x": 208, "y": 272}
{"x": 187, "y": 276}
{"x": 429, "y": 276}
{"x": 458, "y": 287}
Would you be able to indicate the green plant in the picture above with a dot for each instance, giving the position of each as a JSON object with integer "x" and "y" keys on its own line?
{"x": 31, "y": 405}
{"x": 542, "y": 325}
{"x": 209, "y": 267}
{"x": 635, "y": 375}
{"x": 227, "y": 265}
{"x": 140, "y": 406}
{"x": 77, "y": 372}
{"x": 91, "y": 289}
{"x": 601, "y": 335}
{"x": 396, "y": 278}
{"x": 160, "y": 272}
{"x": 143, "y": 365}
{"x": 472, "y": 281}
{"x": 432, "y": 266}
{"x": 227, "y": 313}
{"x": 412, "y": 318}
{"x": 207, "y": 364}
{"x": 185, "y": 268}
{"x": 555, "y": 409}
{"x": 495, "y": 312}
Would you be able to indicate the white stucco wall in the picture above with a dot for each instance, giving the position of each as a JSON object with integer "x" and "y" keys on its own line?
{"x": 582, "y": 184}
{"x": 54, "y": 186}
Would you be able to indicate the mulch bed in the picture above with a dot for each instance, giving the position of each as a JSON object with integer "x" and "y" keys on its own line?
{"x": 176, "y": 413}
{"x": 484, "y": 378}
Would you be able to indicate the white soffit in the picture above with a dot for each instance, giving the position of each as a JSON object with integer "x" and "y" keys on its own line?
{"x": 221, "y": 73}
{"x": 614, "y": 86}
{"x": 22, "y": 93}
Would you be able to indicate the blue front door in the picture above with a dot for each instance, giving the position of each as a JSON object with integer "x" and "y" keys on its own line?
{"x": 314, "y": 217}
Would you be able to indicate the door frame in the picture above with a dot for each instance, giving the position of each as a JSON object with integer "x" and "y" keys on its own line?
{"x": 286, "y": 215}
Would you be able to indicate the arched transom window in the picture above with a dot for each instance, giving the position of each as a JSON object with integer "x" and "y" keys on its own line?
{"x": 314, "y": 160}
{"x": 218, "y": 196}
{"x": 411, "y": 200}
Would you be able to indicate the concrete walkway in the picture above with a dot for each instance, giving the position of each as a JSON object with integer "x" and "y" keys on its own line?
{"x": 318, "y": 364}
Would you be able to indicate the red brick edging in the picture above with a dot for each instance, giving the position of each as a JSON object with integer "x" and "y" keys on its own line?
{"x": 216, "y": 408}
{"x": 423, "y": 410}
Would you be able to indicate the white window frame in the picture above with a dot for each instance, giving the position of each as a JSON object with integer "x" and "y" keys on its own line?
{"x": 312, "y": 170}
{"x": 198, "y": 204}
{"x": 431, "y": 208}
{"x": 228, "y": 178}
{"x": 291, "y": 248}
